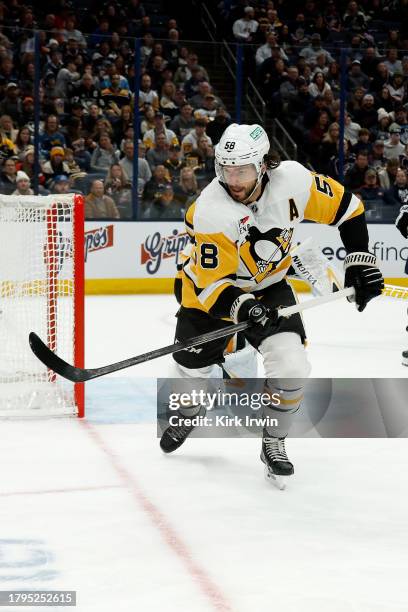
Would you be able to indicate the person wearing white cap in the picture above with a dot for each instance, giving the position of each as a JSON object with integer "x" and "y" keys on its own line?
{"x": 23, "y": 184}
{"x": 244, "y": 28}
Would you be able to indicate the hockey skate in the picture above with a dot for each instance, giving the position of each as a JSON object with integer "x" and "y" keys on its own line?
{"x": 405, "y": 358}
{"x": 175, "y": 435}
{"x": 277, "y": 464}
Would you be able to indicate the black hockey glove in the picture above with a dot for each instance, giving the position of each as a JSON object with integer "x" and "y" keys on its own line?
{"x": 362, "y": 273}
{"x": 248, "y": 308}
{"x": 402, "y": 220}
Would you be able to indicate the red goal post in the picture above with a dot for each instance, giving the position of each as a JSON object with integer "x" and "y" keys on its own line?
{"x": 41, "y": 290}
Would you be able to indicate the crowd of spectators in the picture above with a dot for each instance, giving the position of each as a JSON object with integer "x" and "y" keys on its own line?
{"x": 87, "y": 107}
{"x": 292, "y": 51}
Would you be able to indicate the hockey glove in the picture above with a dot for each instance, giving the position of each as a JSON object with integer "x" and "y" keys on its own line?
{"x": 362, "y": 273}
{"x": 246, "y": 307}
{"x": 402, "y": 220}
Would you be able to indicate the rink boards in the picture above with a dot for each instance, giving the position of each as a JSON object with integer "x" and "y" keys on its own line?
{"x": 141, "y": 257}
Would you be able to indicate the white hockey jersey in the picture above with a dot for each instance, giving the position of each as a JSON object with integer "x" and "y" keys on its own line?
{"x": 246, "y": 247}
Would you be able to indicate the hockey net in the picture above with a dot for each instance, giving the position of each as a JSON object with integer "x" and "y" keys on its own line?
{"x": 41, "y": 290}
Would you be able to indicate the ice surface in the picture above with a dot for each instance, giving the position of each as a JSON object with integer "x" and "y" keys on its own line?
{"x": 95, "y": 507}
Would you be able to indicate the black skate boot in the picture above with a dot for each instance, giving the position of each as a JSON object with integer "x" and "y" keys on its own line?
{"x": 276, "y": 461}
{"x": 405, "y": 358}
{"x": 174, "y": 436}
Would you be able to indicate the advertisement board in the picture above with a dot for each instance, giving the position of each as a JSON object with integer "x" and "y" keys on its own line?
{"x": 142, "y": 256}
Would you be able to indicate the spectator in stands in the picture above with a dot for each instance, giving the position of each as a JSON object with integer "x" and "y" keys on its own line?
{"x": 356, "y": 77}
{"x": 383, "y": 99}
{"x": 393, "y": 147}
{"x": 363, "y": 143}
{"x": 355, "y": 176}
{"x": 315, "y": 135}
{"x": 98, "y": 205}
{"x": 400, "y": 115}
{"x": 122, "y": 124}
{"x": 392, "y": 62}
{"x": 147, "y": 122}
{"x": 354, "y": 19}
{"x": 81, "y": 155}
{"x": 60, "y": 184}
{"x": 380, "y": 78}
{"x": 216, "y": 128}
{"x": 289, "y": 88}
{"x": 266, "y": 50}
{"x": 115, "y": 97}
{"x": 205, "y": 152}
{"x": 23, "y": 141}
{"x": 159, "y": 153}
{"x": 311, "y": 52}
{"x": 104, "y": 155}
{"x": 167, "y": 99}
{"x": 204, "y": 88}
{"x": 118, "y": 186}
{"x": 150, "y": 137}
{"x": 27, "y": 114}
{"x": 377, "y": 159}
{"x": 396, "y": 87}
{"x": 86, "y": 92}
{"x": 127, "y": 162}
{"x": 146, "y": 94}
{"x": 11, "y": 104}
{"x": 51, "y": 136}
{"x": 71, "y": 33}
{"x": 397, "y": 195}
{"x": 244, "y": 29}
{"x": 56, "y": 165}
{"x": 183, "y": 122}
{"x": 383, "y": 124}
{"x": 351, "y": 129}
{"x": 371, "y": 191}
{"x": 159, "y": 178}
{"x": 146, "y": 48}
{"x": 7, "y": 128}
{"x": 187, "y": 189}
{"x": 370, "y": 61}
{"x": 174, "y": 163}
{"x": 366, "y": 116}
{"x": 329, "y": 147}
{"x": 208, "y": 110}
{"x": 22, "y": 184}
{"x": 388, "y": 174}
{"x": 8, "y": 176}
{"x": 272, "y": 74}
{"x": 67, "y": 76}
{"x": 192, "y": 85}
{"x": 164, "y": 206}
{"x": 318, "y": 86}
{"x": 189, "y": 142}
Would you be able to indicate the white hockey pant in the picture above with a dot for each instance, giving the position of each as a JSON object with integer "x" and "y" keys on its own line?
{"x": 286, "y": 368}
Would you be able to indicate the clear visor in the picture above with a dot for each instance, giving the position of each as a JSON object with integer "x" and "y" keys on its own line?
{"x": 235, "y": 176}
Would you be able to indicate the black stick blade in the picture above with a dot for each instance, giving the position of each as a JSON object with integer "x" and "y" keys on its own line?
{"x": 55, "y": 363}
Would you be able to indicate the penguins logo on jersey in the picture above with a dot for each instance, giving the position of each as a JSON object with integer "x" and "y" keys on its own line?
{"x": 268, "y": 249}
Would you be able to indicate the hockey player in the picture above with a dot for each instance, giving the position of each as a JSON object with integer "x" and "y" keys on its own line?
{"x": 242, "y": 227}
{"x": 402, "y": 224}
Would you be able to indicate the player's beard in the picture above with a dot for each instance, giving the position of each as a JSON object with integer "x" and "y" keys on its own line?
{"x": 247, "y": 193}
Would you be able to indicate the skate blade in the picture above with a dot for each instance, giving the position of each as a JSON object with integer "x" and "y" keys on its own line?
{"x": 278, "y": 481}
{"x": 405, "y": 362}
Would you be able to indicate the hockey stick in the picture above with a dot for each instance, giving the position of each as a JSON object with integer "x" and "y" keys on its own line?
{"x": 70, "y": 372}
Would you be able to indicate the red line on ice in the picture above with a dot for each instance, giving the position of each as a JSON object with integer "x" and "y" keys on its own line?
{"x": 168, "y": 533}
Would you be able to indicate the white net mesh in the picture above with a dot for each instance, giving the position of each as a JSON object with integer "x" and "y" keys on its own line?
{"x": 37, "y": 284}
